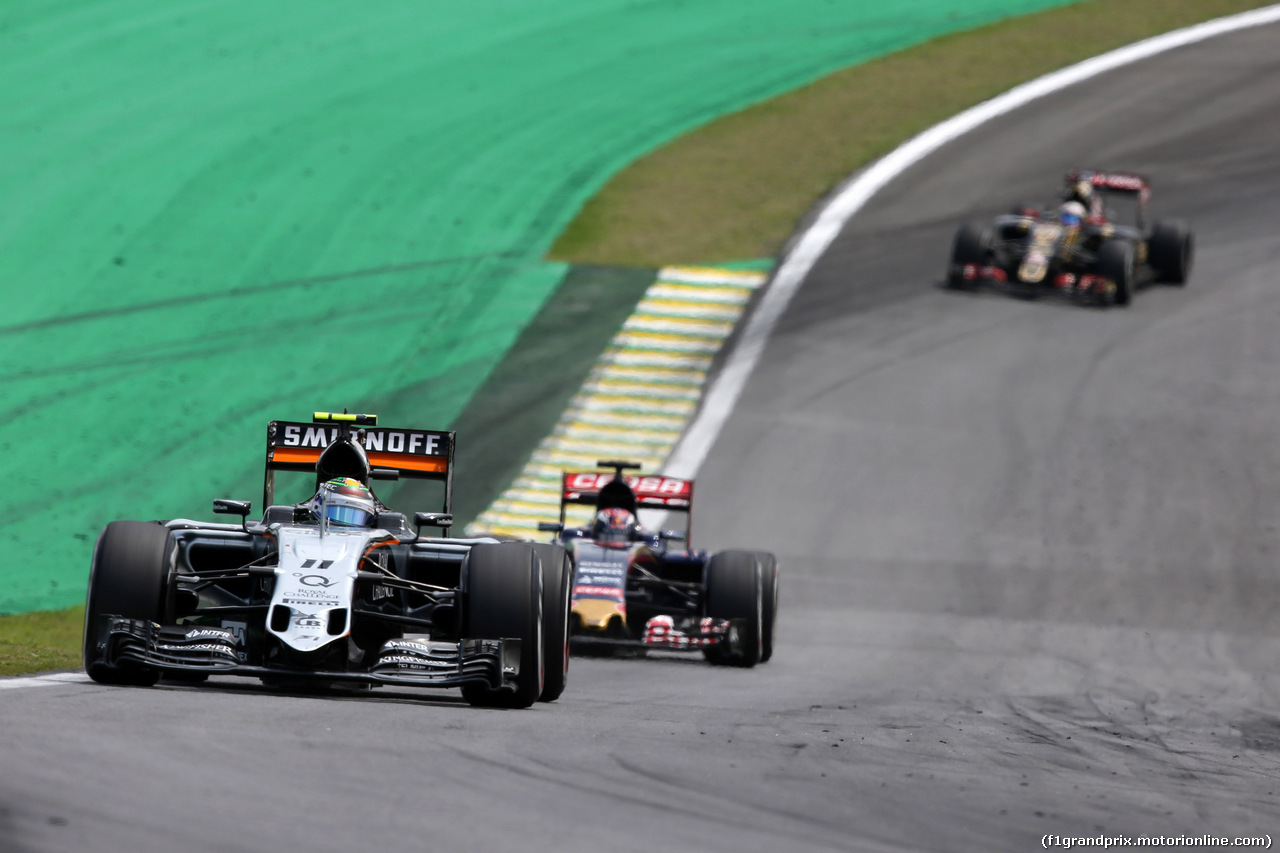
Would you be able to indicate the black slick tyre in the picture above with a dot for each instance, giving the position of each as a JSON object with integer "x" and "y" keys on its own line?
{"x": 502, "y": 599}
{"x": 1115, "y": 264}
{"x": 1170, "y": 251}
{"x": 557, "y": 584}
{"x": 768, "y": 602}
{"x": 128, "y": 577}
{"x": 733, "y": 592}
{"x": 972, "y": 245}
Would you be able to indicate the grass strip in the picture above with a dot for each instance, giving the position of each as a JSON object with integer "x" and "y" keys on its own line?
{"x": 737, "y": 187}
{"x": 36, "y": 642}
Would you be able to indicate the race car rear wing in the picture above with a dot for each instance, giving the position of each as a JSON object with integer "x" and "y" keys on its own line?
{"x": 1129, "y": 183}
{"x": 392, "y": 453}
{"x": 629, "y": 492}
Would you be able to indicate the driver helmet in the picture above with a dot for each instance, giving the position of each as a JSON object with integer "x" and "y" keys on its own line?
{"x": 344, "y": 502}
{"x": 1071, "y": 214}
{"x": 614, "y": 525}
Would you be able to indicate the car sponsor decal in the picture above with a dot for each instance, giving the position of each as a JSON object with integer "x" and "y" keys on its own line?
{"x": 429, "y": 451}
{"x": 414, "y": 442}
{"x": 644, "y": 486}
{"x": 407, "y": 646}
{"x": 585, "y": 591}
{"x": 1125, "y": 183}
{"x": 210, "y": 634}
{"x": 316, "y": 577}
{"x": 213, "y": 648}
{"x": 596, "y": 566}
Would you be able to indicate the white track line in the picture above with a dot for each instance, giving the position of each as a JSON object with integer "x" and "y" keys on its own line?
{"x": 20, "y": 681}
{"x": 725, "y": 388}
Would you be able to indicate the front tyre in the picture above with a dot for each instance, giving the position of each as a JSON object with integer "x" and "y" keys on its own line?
{"x": 1115, "y": 264}
{"x": 557, "y": 584}
{"x": 732, "y": 585}
{"x": 972, "y": 245}
{"x": 128, "y": 577}
{"x": 768, "y": 602}
{"x": 1170, "y": 251}
{"x": 502, "y": 599}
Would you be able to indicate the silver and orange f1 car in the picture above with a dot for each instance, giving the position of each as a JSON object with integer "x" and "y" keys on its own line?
{"x": 633, "y": 587}
{"x": 337, "y": 590}
{"x": 1096, "y": 247}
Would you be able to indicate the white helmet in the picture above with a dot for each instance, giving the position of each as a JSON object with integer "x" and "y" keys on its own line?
{"x": 1071, "y": 213}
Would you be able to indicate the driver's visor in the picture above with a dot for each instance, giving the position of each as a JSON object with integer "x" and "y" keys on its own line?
{"x": 348, "y": 516}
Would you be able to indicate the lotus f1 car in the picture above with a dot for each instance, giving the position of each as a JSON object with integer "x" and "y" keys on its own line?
{"x": 1085, "y": 254}
{"x": 631, "y": 588}
{"x": 299, "y": 597}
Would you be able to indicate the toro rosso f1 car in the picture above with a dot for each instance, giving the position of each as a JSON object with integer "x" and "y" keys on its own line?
{"x": 1081, "y": 250}
{"x": 631, "y": 588}
{"x": 338, "y": 590}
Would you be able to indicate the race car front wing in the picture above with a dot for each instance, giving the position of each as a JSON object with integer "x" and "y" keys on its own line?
{"x": 662, "y": 632}
{"x": 666, "y": 633}
{"x": 219, "y": 651}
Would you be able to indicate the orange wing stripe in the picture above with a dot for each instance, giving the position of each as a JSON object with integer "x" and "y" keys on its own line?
{"x": 409, "y": 463}
{"x": 402, "y": 462}
{"x": 293, "y": 454}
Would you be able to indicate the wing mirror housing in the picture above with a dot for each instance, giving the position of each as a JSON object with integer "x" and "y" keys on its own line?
{"x": 443, "y": 520}
{"x": 222, "y": 506}
{"x": 673, "y": 535}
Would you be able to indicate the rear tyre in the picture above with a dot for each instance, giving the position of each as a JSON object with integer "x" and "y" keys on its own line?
{"x": 1115, "y": 263}
{"x": 972, "y": 246}
{"x": 557, "y": 584}
{"x": 768, "y": 602}
{"x": 128, "y": 577}
{"x": 733, "y": 592}
{"x": 502, "y": 598}
{"x": 1170, "y": 251}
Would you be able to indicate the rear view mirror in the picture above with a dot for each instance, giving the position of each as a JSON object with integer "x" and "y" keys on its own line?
{"x": 222, "y": 506}
{"x": 443, "y": 520}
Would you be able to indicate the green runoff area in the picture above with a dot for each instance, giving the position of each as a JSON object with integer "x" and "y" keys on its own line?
{"x": 221, "y": 214}
{"x": 216, "y": 214}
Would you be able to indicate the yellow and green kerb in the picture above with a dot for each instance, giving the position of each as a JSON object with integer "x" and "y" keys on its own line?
{"x": 638, "y": 397}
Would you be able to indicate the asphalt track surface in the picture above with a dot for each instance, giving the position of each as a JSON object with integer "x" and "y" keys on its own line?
{"x": 1029, "y": 580}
